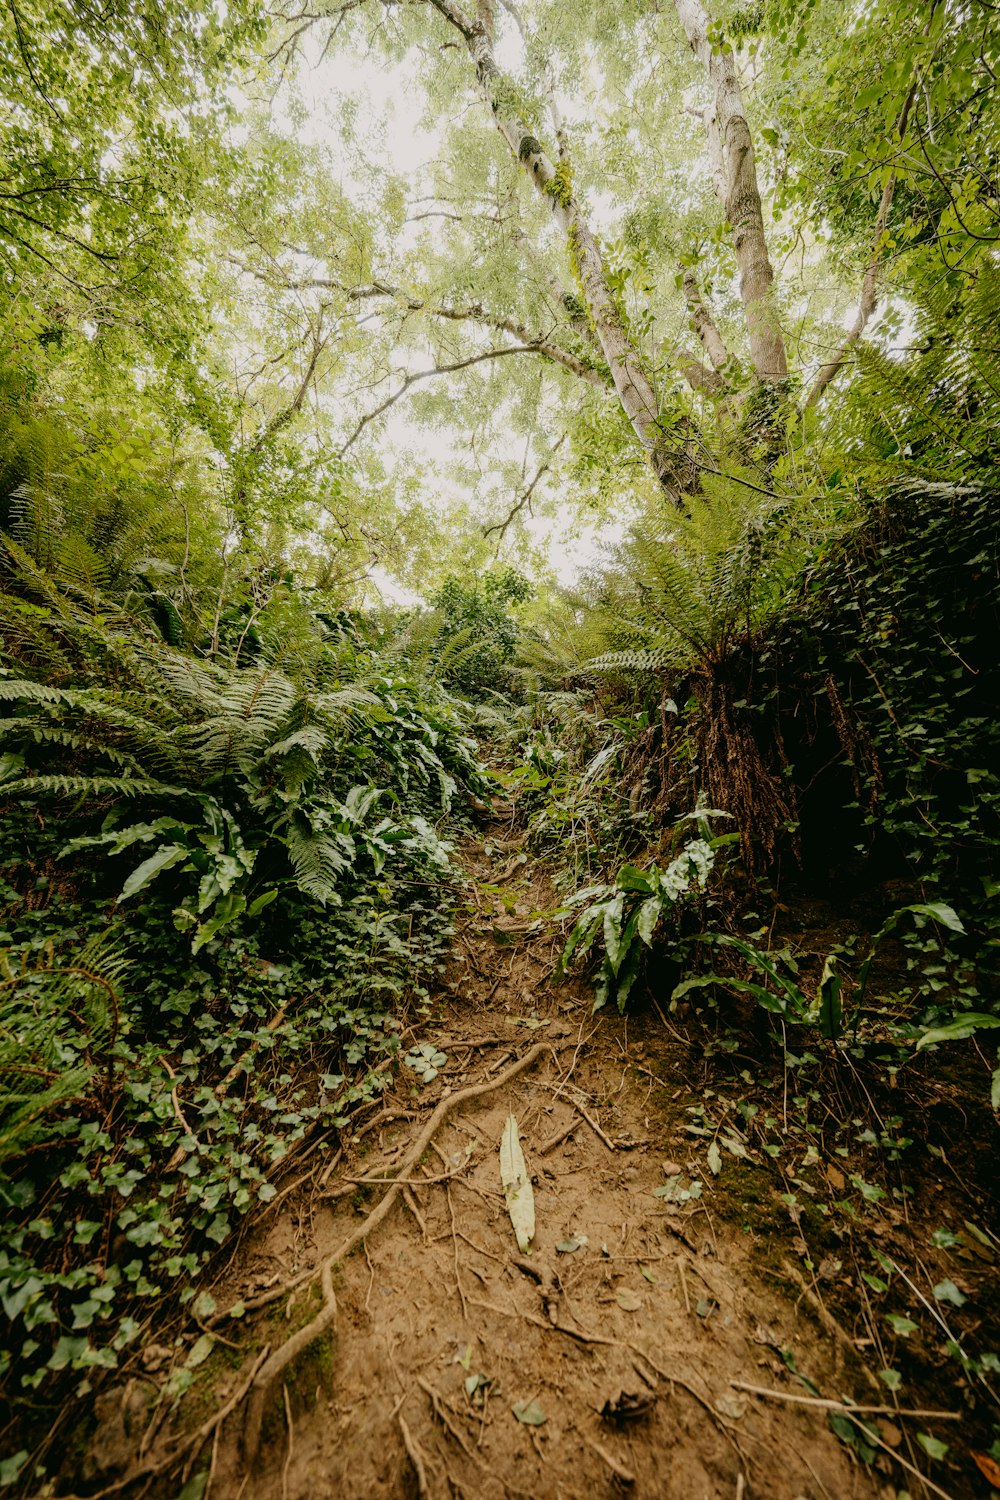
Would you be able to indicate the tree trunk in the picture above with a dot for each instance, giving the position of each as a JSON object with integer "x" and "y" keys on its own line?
{"x": 740, "y": 196}
{"x": 672, "y": 460}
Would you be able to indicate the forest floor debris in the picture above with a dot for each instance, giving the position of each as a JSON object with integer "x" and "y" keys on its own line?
{"x": 641, "y": 1342}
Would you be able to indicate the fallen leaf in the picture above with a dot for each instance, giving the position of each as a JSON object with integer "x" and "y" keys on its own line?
{"x": 890, "y": 1434}
{"x": 705, "y": 1307}
{"x": 568, "y": 1247}
{"x": 714, "y": 1159}
{"x": 516, "y": 1186}
{"x": 988, "y": 1467}
{"x": 627, "y": 1299}
{"x": 835, "y": 1177}
{"x": 649, "y": 1275}
{"x": 529, "y": 1412}
{"x": 200, "y": 1350}
{"x": 672, "y": 1169}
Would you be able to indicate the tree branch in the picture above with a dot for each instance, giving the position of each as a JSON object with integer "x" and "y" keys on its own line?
{"x": 412, "y": 380}
{"x": 283, "y": 417}
{"x": 473, "y": 312}
{"x": 868, "y": 300}
{"x": 524, "y": 499}
{"x": 706, "y": 328}
{"x": 670, "y": 457}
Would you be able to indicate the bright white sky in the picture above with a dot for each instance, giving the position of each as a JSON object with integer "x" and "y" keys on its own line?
{"x": 388, "y": 105}
{"x": 389, "y": 109}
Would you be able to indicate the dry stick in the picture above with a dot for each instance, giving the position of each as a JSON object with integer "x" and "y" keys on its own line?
{"x": 406, "y": 1182}
{"x": 556, "y": 1140}
{"x": 234, "y": 1071}
{"x": 411, "y": 1204}
{"x": 870, "y": 1435}
{"x": 415, "y": 1456}
{"x": 849, "y": 1408}
{"x": 331, "y": 1166}
{"x": 438, "y": 1408}
{"x": 454, "y": 1240}
{"x": 625, "y": 1476}
{"x": 594, "y": 1126}
{"x": 558, "y": 1091}
{"x": 180, "y": 1152}
{"x": 684, "y": 1286}
{"x": 283, "y": 1356}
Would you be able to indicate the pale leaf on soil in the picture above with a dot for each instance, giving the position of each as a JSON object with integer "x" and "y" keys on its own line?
{"x": 529, "y": 1412}
{"x": 516, "y": 1185}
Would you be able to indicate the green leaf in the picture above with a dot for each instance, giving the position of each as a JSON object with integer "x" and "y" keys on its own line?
{"x": 955, "y": 1031}
{"x": 11, "y": 1467}
{"x": 830, "y": 1004}
{"x": 529, "y": 1412}
{"x": 932, "y": 1446}
{"x": 901, "y": 1325}
{"x": 165, "y": 858}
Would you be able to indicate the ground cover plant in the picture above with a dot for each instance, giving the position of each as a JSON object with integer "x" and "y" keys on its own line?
{"x": 498, "y": 534}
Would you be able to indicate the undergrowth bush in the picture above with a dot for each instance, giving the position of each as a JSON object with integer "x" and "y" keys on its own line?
{"x": 221, "y": 887}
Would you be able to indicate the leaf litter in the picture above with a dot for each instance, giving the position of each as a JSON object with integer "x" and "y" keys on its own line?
{"x": 618, "y": 1379}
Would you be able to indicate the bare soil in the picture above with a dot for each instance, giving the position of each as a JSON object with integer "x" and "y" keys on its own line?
{"x": 664, "y": 1335}
{"x": 629, "y": 1333}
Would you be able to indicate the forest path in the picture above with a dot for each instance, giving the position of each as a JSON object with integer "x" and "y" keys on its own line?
{"x": 645, "y": 1309}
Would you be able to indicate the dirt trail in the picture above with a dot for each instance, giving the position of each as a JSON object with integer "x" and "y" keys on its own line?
{"x": 621, "y": 1334}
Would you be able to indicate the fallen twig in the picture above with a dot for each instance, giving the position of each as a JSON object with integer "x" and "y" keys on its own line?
{"x": 438, "y": 1408}
{"x": 291, "y": 1443}
{"x": 849, "y": 1408}
{"x": 557, "y": 1139}
{"x": 623, "y": 1475}
{"x": 871, "y": 1436}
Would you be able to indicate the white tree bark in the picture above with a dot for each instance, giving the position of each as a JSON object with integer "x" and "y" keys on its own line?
{"x": 740, "y": 194}
{"x": 671, "y": 461}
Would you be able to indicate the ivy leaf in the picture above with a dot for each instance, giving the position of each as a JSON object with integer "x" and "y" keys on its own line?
{"x": 932, "y": 1446}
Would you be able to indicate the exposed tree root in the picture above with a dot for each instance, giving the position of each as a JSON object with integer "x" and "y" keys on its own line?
{"x": 283, "y": 1356}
